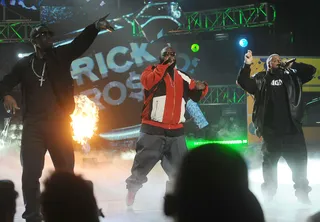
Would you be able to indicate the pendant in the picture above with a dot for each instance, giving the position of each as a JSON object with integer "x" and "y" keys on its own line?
{"x": 41, "y": 80}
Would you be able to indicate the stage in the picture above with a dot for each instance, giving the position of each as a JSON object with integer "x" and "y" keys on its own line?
{"x": 108, "y": 173}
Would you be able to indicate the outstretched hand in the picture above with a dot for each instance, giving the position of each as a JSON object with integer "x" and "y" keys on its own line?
{"x": 103, "y": 24}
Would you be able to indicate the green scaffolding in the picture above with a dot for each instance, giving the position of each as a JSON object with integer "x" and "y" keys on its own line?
{"x": 12, "y": 31}
{"x": 224, "y": 95}
{"x": 257, "y": 15}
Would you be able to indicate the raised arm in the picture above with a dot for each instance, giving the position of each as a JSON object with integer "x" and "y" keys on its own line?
{"x": 305, "y": 72}
{"x": 82, "y": 42}
{"x": 244, "y": 80}
{"x": 152, "y": 75}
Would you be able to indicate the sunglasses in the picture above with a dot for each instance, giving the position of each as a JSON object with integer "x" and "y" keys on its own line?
{"x": 41, "y": 34}
{"x": 169, "y": 53}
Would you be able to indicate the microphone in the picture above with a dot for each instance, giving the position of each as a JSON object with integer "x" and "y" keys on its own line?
{"x": 290, "y": 61}
{"x": 284, "y": 65}
{"x": 167, "y": 61}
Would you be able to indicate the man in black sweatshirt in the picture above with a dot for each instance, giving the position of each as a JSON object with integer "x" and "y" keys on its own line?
{"x": 277, "y": 117}
{"x": 47, "y": 103}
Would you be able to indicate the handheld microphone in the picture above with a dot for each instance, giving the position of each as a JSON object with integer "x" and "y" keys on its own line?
{"x": 284, "y": 65}
{"x": 167, "y": 61}
{"x": 290, "y": 61}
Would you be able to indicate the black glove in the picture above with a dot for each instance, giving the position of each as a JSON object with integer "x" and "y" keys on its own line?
{"x": 103, "y": 24}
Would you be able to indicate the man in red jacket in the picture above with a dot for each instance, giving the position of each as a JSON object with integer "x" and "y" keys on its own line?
{"x": 166, "y": 92}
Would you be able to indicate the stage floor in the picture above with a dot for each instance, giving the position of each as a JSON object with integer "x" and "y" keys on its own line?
{"x": 108, "y": 174}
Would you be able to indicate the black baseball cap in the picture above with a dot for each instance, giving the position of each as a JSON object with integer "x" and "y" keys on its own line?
{"x": 37, "y": 30}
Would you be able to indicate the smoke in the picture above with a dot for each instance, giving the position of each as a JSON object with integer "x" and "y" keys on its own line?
{"x": 108, "y": 171}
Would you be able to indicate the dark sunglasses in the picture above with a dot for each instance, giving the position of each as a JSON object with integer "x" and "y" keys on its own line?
{"x": 46, "y": 33}
{"x": 169, "y": 53}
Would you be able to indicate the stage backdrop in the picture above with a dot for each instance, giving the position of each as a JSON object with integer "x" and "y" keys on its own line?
{"x": 110, "y": 76}
{"x": 310, "y": 90}
{"x": 110, "y": 71}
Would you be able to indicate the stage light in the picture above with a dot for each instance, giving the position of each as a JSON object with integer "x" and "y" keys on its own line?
{"x": 193, "y": 143}
{"x": 195, "y": 47}
{"x": 22, "y": 55}
{"x": 243, "y": 43}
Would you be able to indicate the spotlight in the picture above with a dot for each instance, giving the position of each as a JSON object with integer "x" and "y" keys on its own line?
{"x": 195, "y": 47}
{"x": 22, "y": 55}
{"x": 243, "y": 43}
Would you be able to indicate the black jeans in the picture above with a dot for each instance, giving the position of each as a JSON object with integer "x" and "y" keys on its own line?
{"x": 293, "y": 149}
{"x": 151, "y": 149}
{"x": 38, "y": 137}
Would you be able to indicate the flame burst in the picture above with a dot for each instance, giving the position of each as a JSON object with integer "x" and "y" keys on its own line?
{"x": 84, "y": 119}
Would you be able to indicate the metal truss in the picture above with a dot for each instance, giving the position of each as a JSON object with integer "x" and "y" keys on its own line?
{"x": 12, "y": 31}
{"x": 255, "y": 15}
{"x": 258, "y": 15}
{"x": 224, "y": 95}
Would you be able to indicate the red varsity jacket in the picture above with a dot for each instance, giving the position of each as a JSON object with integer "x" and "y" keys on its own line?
{"x": 166, "y": 107}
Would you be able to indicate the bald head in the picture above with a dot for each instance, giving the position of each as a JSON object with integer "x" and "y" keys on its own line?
{"x": 167, "y": 53}
{"x": 273, "y": 61}
{"x": 167, "y": 49}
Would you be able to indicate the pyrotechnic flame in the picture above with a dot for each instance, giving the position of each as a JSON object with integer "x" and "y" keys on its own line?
{"x": 84, "y": 119}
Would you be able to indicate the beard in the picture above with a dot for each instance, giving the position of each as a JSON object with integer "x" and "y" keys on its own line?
{"x": 276, "y": 70}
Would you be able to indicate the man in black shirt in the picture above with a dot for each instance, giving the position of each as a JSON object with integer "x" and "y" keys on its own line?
{"x": 277, "y": 116}
{"x": 47, "y": 103}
